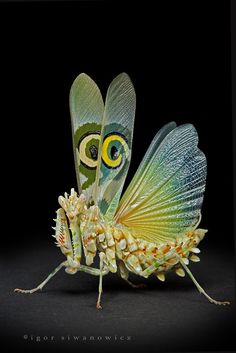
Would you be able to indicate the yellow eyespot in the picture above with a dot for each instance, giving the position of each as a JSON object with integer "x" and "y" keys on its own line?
{"x": 88, "y": 149}
{"x": 114, "y": 148}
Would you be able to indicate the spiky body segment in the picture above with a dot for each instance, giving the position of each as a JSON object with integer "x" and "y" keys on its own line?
{"x": 119, "y": 250}
{"x": 91, "y": 232}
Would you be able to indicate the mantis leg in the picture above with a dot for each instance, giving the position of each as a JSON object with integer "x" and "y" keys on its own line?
{"x": 201, "y": 290}
{"x": 156, "y": 264}
{"x": 41, "y": 285}
{"x": 96, "y": 272}
{"x": 101, "y": 255}
{"x": 124, "y": 273}
{"x": 93, "y": 271}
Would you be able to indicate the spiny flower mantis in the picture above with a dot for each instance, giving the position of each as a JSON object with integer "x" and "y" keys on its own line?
{"x": 153, "y": 227}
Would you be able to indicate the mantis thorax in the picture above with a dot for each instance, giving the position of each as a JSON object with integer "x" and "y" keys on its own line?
{"x": 88, "y": 231}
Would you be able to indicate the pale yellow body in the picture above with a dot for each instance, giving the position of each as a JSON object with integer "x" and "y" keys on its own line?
{"x": 120, "y": 248}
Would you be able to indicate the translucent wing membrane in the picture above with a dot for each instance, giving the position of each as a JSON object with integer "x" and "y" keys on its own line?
{"x": 116, "y": 137}
{"x": 164, "y": 198}
{"x": 87, "y": 108}
{"x": 102, "y": 138}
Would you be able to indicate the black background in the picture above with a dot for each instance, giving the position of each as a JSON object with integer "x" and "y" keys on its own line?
{"x": 178, "y": 57}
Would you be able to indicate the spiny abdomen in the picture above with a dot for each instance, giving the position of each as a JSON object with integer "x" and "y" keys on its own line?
{"x": 138, "y": 254}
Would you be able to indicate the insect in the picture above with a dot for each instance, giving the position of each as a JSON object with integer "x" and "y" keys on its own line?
{"x": 153, "y": 227}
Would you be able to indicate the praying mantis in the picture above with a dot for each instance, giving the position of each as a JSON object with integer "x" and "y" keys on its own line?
{"x": 153, "y": 227}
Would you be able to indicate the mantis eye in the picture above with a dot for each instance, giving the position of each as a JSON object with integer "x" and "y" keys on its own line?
{"x": 88, "y": 149}
{"x": 114, "y": 150}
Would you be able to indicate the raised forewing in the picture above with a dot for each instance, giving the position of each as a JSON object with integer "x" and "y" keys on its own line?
{"x": 164, "y": 198}
{"x": 87, "y": 109}
{"x": 115, "y": 150}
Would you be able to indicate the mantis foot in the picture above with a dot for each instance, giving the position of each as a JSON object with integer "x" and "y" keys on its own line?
{"x": 136, "y": 286}
{"x": 29, "y": 291}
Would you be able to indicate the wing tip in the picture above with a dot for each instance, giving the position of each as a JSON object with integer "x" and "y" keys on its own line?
{"x": 123, "y": 77}
{"x": 123, "y": 74}
{"x": 81, "y": 77}
{"x": 172, "y": 125}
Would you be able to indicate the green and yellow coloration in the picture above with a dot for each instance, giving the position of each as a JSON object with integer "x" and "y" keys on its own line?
{"x": 153, "y": 228}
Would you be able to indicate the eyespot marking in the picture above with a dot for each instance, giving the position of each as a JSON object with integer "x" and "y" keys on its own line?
{"x": 88, "y": 149}
{"x": 114, "y": 150}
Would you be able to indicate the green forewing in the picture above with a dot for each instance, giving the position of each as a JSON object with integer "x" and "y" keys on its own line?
{"x": 115, "y": 152}
{"x": 86, "y": 108}
{"x": 102, "y": 138}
